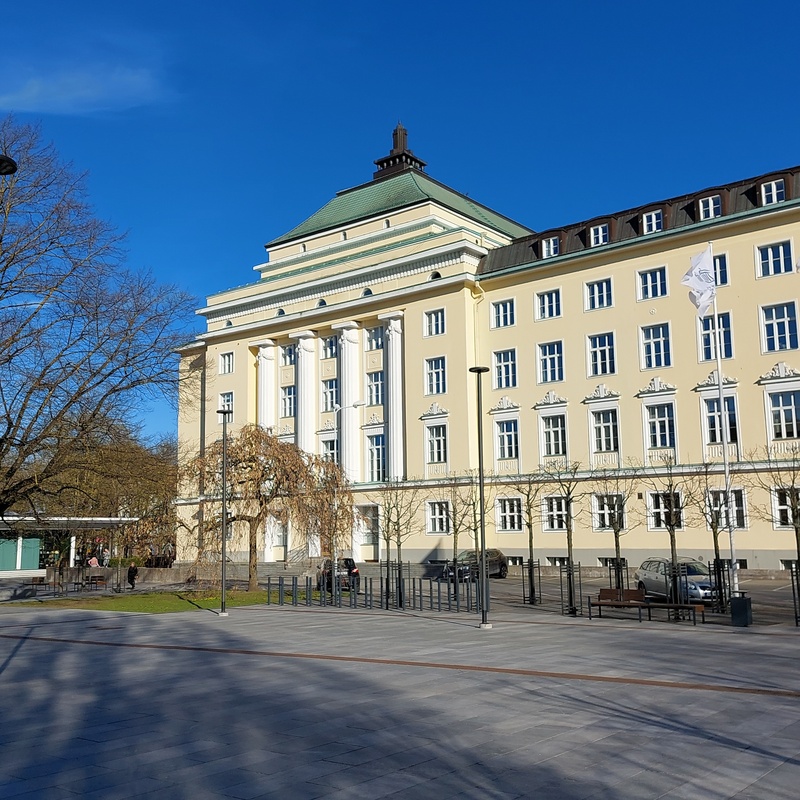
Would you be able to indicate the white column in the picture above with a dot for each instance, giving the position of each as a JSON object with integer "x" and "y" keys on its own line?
{"x": 393, "y": 370}
{"x": 349, "y": 374}
{"x": 18, "y": 564}
{"x": 265, "y": 384}
{"x": 305, "y": 372}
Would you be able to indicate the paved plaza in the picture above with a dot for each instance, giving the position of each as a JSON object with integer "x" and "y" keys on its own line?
{"x": 296, "y": 703}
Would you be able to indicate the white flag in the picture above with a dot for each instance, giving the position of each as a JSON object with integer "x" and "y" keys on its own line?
{"x": 701, "y": 282}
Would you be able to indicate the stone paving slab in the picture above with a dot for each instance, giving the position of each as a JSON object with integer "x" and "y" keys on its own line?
{"x": 276, "y": 702}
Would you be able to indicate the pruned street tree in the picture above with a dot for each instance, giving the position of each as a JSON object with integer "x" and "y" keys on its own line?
{"x": 84, "y": 340}
{"x": 565, "y": 484}
{"x": 776, "y": 473}
{"x": 529, "y": 487}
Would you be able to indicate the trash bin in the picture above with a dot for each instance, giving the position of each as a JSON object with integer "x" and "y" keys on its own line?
{"x": 741, "y": 610}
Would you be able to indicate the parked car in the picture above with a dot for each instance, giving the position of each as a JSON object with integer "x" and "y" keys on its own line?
{"x": 694, "y": 579}
{"x": 346, "y": 572}
{"x": 467, "y": 565}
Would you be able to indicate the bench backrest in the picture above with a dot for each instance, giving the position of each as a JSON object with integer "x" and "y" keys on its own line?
{"x": 608, "y": 594}
{"x": 633, "y": 594}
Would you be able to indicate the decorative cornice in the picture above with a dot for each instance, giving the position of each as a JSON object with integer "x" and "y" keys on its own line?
{"x": 435, "y": 411}
{"x": 713, "y": 380}
{"x": 781, "y": 371}
{"x": 656, "y": 386}
{"x": 551, "y": 399}
{"x": 504, "y": 404}
{"x": 374, "y": 420}
{"x": 602, "y": 392}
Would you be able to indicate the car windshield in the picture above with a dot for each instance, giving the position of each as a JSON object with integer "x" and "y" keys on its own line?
{"x": 695, "y": 568}
{"x": 466, "y": 555}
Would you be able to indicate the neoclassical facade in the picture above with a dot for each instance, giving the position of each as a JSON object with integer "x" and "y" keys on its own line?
{"x": 356, "y": 339}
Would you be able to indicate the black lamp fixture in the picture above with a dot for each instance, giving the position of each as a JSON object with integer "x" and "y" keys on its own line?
{"x": 7, "y": 165}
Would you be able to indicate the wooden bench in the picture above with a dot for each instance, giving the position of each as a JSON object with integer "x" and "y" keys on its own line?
{"x": 692, "y": 608}
{"x": 36, "y": 582}
{"x": 95, "y": 581}
{"x": 610, "y": 598}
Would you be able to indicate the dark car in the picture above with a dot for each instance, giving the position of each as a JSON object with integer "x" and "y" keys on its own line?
{"x": 467, "y": 565}
{"x": 347, "y": 575}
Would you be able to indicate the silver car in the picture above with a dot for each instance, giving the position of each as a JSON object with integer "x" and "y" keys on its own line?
{"x": 694, "y": 579}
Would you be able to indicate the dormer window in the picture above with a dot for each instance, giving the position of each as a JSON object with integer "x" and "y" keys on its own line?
{"x": 653, "y": 221}
{"x": 550, "y": 247}
{"x": 773, "y": 192}
{"x": 711, "y": 207}
{"x": 598, "y": 234}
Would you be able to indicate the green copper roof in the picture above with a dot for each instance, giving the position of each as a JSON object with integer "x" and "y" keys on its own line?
{"x": 391, "y": 194}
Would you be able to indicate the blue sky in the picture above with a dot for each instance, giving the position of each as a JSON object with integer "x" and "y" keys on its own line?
{"x": 209, "y": 130}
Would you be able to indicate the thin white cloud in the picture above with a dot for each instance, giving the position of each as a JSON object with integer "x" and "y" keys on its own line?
{"x": 80, "y": 90}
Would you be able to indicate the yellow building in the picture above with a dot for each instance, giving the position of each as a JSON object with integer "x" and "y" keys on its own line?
{"x": 356, "y": 340}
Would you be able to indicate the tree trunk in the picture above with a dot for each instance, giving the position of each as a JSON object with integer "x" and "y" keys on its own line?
{"x": 252, "y": 562}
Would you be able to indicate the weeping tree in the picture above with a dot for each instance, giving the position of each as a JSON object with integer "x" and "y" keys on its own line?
{"x": 268, "y": 477}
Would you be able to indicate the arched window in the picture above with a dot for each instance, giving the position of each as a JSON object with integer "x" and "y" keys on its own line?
{"x": 280, "y": 312}
{"x": 434, "y": 276}
{"x": 366, "y": 293}
{"x": 321, "y": 303}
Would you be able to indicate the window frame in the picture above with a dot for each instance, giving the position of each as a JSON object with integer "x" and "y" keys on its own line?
{"x": 504, "y": 375}
{"x": 288, "y": 401}
{"x": 375, "y": 388}
{"x": 548, "y": 301}
{"x": 774, "y": 259}
{"x": 376, "y": 457}
{"x": 664, "y": 427}
{"x": 436, "y": 443}
{"x": 225, "y": 365}
{"x": 712, "y": 420}
{"x": 790, "y": 323}
{"x": 707, "y": 339}
{"x": 434, "y": 323}
{"x": 550, "y": 363}
{"x": 553, "y": 437}
{"x": 435, "y": 375}
{"x": 509, "y": 515}
{"x": 555, "y": 513}
{"x": 773, "y": 192}
{"x": 507, "y": 439}
{"x": 656, "y": 353}
{"x": 710, "y": 207}
{"x": 599, "y": 235}
{"x": 503, "y": 314}
{"x": 739, "y": 508}
{"x": 594, "y": 300}
{"x": 646, "y": 285}
{"x": 652, "y": 221}
{"x": 373, "y": 338}
{"x": 287, "y": 354}
{"x": 551, "y": 247}
{"x": 437, "y": 518}
{"x": 329, "y": 394}
{"x": 595, "y": 351}
{"x": 655, "y": 515}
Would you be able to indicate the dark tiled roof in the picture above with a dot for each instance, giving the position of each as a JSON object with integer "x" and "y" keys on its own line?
{"x": 678, "y": 212}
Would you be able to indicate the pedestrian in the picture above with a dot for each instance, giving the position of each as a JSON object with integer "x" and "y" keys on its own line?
{"x": 133, "y": 571}
{"x": 93, "y": 562}
{"x": 106, "y": 557}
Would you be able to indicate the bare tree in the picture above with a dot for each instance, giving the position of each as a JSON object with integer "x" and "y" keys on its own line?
{"x": 399, "y": 506}
{"x": 614, "y": 488}
{"x": 567, "y": 485}
{"x": 778, "y": 477}
{"x": 83, "y": 340}
{"x": 669, "y": 496}
{"x": 705, "y": 493}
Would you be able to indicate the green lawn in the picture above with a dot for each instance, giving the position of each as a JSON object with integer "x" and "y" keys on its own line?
{"x": 155, "y": 602}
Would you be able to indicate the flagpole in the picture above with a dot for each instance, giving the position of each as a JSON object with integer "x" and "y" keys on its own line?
{"x": 724, "y": 429}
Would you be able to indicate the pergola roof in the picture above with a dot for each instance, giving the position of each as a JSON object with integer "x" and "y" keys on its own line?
{"x": 16, "y": 522}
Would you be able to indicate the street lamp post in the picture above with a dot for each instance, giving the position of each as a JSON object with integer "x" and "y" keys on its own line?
{"x": 224, "y": 412}
{"x": 484, "y": 574}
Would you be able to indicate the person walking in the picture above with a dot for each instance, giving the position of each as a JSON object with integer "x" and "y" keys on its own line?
{"x": 133, "y": 572}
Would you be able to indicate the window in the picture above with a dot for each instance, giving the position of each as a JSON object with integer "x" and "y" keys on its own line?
{"x": 598, "y": 234}
{"x": 721, "y": 270}
{"x": 435, "y": 379}
{"x": 375, "y": 388}
{"x": 288, "y": 355}
{"x": 714, "y": 425}
{"x": 330, "y": 347}
{"x": 716, "y": 501}
{"x": 550, "y": 247}
{"x": 606, "y": 431}
{"x": 784, "y": 495}
{"x": 609, "y": 512}
{"x": 439, "y": 517}
{"x": 655, "y": 346}
{"x": 374, "y": 338}
{"x": 665, "y": 510}
{"x": 773, "y": 192}
{"x": 554, "y": 435}
{"x": 555, "y": 513}
{"x": 434, "y": 322}
{"x": 653, "y": 221}
{"x": 509, "y": 514}
{"x": 780, "y": 327}
{"x": 507, "y": 439}
{"x": 376, "y": 457}
{"x": 785, "y": 410}
{"x": 330, "y": 450}
{"x": 225, "y": 363}
{"x": 369, "y": 518}
{"x": 598, "y": 294}
{"x": 653, "y": 283}
{"x": 288, "y": 401}
{"x": 505, "y": 369}
{"x": 710, "y": 207}
{"x": 775, "y": 259}
{"x": 226, "y": 404}
{"x": 437, "y": 444}
{"x": 601, "y": 354}
{"x": 548, "y": 304}
{"x": 551, "y": 362}
{"x": 708, "y": 339}
{"x": 503, "y": 314}
{"x": 661, "y": 425}
{"x": 330, "y": 394}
